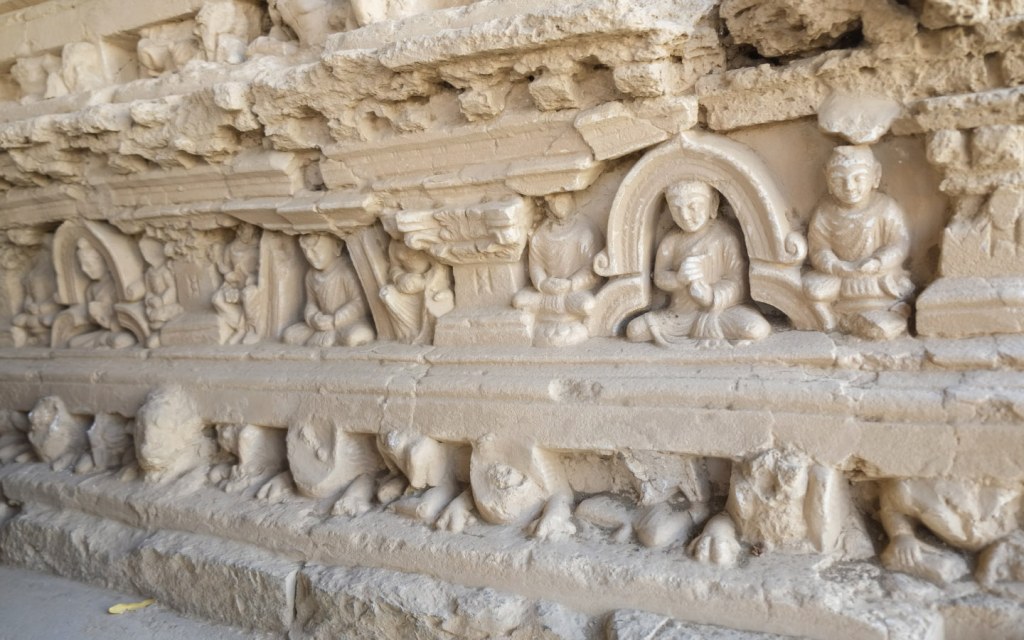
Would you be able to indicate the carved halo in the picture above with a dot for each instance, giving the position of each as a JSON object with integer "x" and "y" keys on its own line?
{"x": 775, "y": 249}
{"x": 119, "y": 253}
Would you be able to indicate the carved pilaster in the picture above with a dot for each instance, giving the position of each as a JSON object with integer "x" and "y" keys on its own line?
{"x": 975, "y": 139}
{"x": 484, "y": 246}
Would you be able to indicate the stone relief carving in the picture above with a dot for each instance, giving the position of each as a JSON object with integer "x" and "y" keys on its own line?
{"x": 311, "y": 21}
{"x": 248, "y": 198}
{"x": 171, "y": 444}
{"x": 335, "y": 311}
{"x": 95, "y": 319}
{"x": 702, "y": 268}
{"x": 14, "y": 444}
{"x": 260, "y": 456}
{"x": 39, "y": 77}
{"x": 166, "y": 48}
{"x": 418, "y": 293}
{"x": 161, "y": 299}
{"x": 58, "y": 438}
{"x": 370, "y": 11}
{"x": 780, "y": 499}
{"x": 226, "y": 27}
{"x": 858, "y": 244}
{"x": 561, "y": 257}
{"x": 965, "y": 514}
{"x": 111, "y": 444}
{"x": 32, "y": 323}
{"x": 238, "y": 299}
{"x": 436, "y": 472}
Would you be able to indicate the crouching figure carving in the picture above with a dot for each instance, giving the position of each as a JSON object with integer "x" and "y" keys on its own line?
{"x": 518, "y": 484}
{"x": 57, "y": 436}
{"x": 701, "y": 265}
{"x": 965, "y": 514}
{"x": 436, "y": 474}
{"x": 780, "y": 499}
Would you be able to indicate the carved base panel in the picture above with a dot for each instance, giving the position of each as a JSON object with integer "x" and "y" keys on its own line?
{"x": 478, "y": 328}
{"x": 380, "y": 575}
{"x": 303, "y": 567}
{"x": 961, "y": 307}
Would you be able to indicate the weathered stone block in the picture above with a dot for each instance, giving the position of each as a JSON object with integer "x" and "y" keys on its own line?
{"x": 73, "y": 545}
{"x": 224, "y": 581}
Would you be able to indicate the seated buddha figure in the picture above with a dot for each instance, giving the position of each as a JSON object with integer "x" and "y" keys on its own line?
{"x": 702, "y": 267}
{"x": 858, "y": 242}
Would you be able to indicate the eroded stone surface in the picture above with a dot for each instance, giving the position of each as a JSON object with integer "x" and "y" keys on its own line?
{"x": 356, "y": 283}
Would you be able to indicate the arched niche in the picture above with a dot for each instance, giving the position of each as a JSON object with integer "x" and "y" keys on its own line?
{"x": 775, "y": 249}
{"x": 123, "y": 261}
{"x": 119, "y": 252}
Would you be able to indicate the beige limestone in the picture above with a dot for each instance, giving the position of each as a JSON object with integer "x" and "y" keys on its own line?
{"x": 326, "y": 316}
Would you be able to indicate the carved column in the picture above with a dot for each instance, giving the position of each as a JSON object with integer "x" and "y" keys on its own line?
{"x": 484, "y": 246}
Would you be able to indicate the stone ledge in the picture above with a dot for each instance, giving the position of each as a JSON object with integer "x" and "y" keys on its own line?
{"x": 588, "y": 575}
{"x": 617, "y": 396}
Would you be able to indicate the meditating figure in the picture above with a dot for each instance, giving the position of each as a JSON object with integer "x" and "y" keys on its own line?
{"x": 98, "y": 310}
{"x": 858, "y": 242}
{"x": 562, "y": 252}
{"x": 336, "y": 312}
{"x": 702, "y": 267}
{"x": 236, "y": 300}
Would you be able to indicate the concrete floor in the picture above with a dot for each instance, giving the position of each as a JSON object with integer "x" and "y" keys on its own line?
{"x": 36, "y": 606}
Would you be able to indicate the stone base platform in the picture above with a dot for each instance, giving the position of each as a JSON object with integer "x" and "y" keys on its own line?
{"x": 292, "y": 569}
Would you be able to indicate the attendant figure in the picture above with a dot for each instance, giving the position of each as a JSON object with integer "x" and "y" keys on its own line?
{"x": 336, "y": 312}
{"x": 858, "y": 242}
{"x": 562, "y": 252}
{"x": 161, "y": 299}
{"x": 418, "y": 295}
{"x": 236, "y": 300}
{"x": 702, "y": 267}
{"x": 39, "y": 306}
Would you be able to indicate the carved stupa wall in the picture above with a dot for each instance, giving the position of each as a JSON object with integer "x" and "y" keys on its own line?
{"x": 512, "y": 318}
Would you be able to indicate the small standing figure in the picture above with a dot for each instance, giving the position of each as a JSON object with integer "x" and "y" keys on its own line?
{"x": 336, "y": 312}
{"x": 98, "y": 309}
{"x": 418, "y": 295}
{"x": 562, "y": 252}
{"x": 310, "y": 20}
{"x": 236, "y": 299}
{"x": 39, "y": 306}
{"x": 858, "y": 242}
{"x": 161, "y": 299}
{"x": 702, "y": 266}
{"x": 226, "y": 27}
